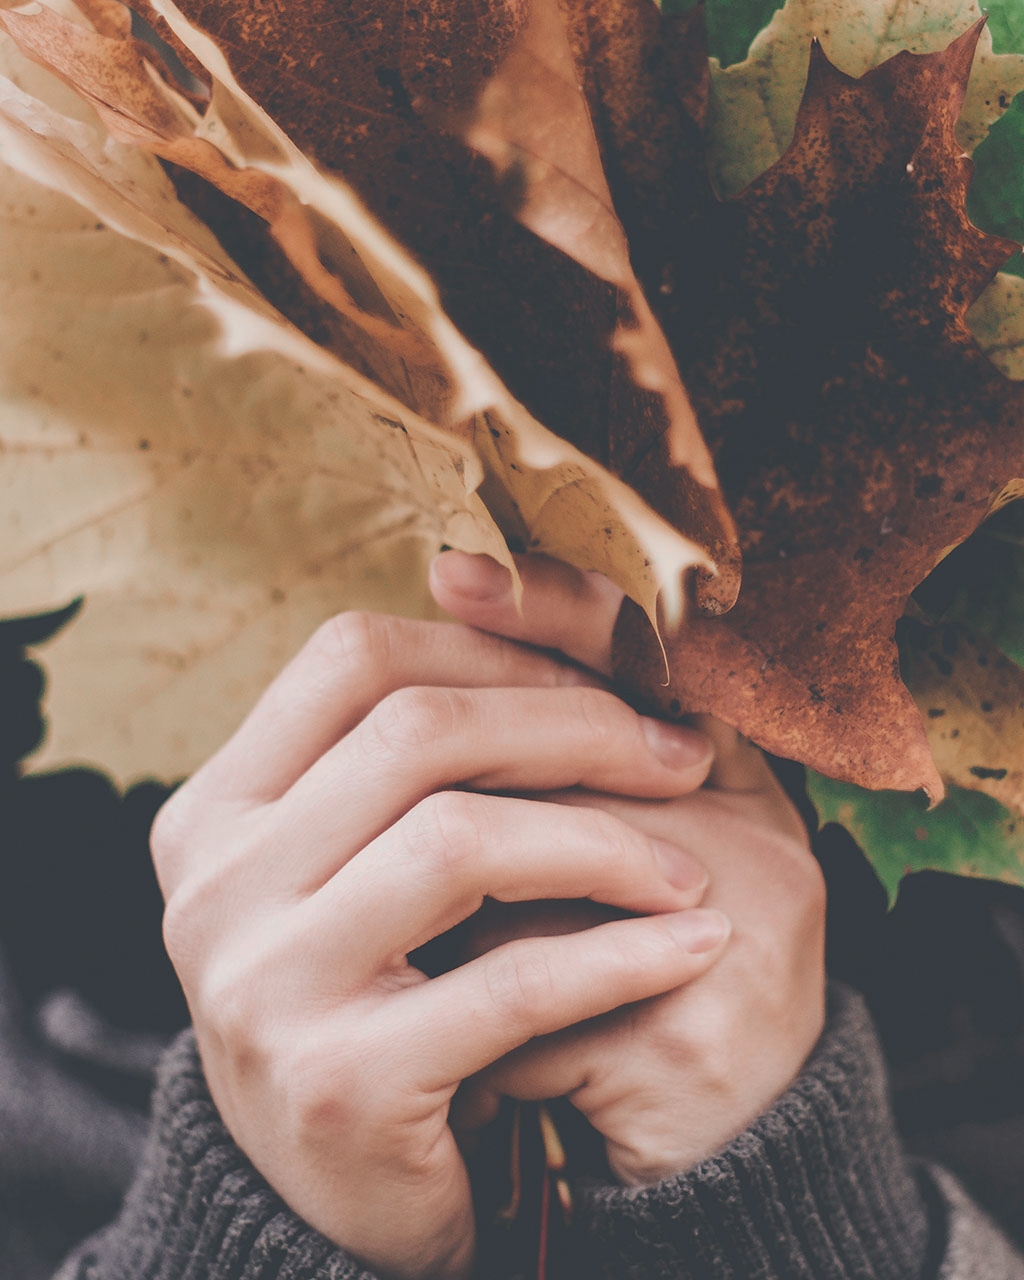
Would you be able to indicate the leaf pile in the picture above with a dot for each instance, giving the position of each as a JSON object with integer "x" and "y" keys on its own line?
{"x": 370, "y": 393}
{"x": 541, "y": 275}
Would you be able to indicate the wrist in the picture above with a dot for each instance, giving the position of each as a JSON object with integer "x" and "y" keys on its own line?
{"x": 828, "y": 1145}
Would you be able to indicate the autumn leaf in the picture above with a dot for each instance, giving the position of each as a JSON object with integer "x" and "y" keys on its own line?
{"x": 533, "y": 123}
{"x": 550, "y": 325}
{"x": 972, "y": 701}
{"x": 114, "y": 479}
{"x": 754, "y": 103}
{"x": 967, "y": 834}
{"x": 858, "y": 430}
{"x": 150, "y": 468}
{"x": 961, "y": 654}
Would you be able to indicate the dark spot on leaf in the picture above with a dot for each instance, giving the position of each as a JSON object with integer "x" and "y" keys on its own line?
{"x": 986, "y": 705}
{"x": 675, "y": 706}
{"x": 391, "y": 82}
{"x": 981, "y": 771}
{"x": 927, "y": 486}
{"x": 863, "y": 554}
{"x": 143, "y": 445}
{"x": 935, "y": 712}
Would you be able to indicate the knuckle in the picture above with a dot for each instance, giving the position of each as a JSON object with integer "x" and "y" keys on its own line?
{"x": 614, "y": 842}
{"x": 179, "y": 932}
{"x": 716, "y": 1047}
{"x": 521, "y": 982}
{"x": 171, "y": 832}
{"x": 802, "y": 879}
{"x": 454, "y": 830}
{"x": 320, "y": 1092}
{"x": 412, "y": 720}
{"x": 357, "y": 641}
{"x": 605, "y": 722}
{"x": 647, "y": 951}
{"x": 333, "y": 1086}
{"x": 226, "y": 1003}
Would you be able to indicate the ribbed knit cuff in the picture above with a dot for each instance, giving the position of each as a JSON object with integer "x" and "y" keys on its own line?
{"x": 817, "y": 1188}
{"x": 198, "y": 1210}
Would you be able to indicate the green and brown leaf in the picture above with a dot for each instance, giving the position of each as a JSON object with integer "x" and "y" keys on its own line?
{"x": 858, "y": 430}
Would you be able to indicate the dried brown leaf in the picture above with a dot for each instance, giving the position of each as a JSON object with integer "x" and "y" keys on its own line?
{"x": 857, "y": 428}
{"x": 361, "y": 93}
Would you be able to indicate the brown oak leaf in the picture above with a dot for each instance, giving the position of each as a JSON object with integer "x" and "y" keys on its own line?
{"x": 858, "y": 430}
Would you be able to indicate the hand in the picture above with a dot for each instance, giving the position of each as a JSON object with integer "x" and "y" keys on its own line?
{"x": 324, "y": 843}
{"x": 671, "y": 1080}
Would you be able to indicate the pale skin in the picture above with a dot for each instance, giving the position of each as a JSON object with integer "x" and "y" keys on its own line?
{"x": 352, "y": 817}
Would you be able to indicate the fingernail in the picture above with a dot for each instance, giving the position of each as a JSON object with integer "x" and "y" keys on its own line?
{"x": 679, "y": 868}
{"x": 674, "y": 744}
{"x": 699, "y": 930}
{"x": 477, "y": 576}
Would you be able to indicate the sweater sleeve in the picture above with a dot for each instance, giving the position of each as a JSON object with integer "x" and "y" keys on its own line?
{"x": 817, "y": 1188}
{"x": 198, "y": 1209}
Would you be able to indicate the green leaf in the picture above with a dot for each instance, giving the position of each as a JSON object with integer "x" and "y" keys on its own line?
{"x": 995, "y": 199}
{"x": 967, "y": 834}
{"x": 1006, "y": 22}
{"x": 732, "y": 24}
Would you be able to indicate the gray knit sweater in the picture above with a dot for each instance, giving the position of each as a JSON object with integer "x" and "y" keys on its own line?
{"x": 817, "y": 1188}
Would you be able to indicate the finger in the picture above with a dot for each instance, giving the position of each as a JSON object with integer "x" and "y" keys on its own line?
{"x": 574, "y": 613}
{"x": 465, "y": 1020}
{"x": 421, "y": 740}
{"x": 435, "y": 867}
{"x": 562, "y": 607}
{"x": 552, "y": 1066}
{"x": 349, "y": 665}
{"x": 730, "y": 834}
{"x": 738, "y": 765}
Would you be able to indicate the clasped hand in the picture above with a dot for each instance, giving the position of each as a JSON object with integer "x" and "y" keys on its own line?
{"x": 395, "y": 776}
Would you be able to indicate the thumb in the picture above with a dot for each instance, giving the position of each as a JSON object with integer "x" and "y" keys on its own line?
{"x": 574, "y": 612}
{"x": 563, "y": 608}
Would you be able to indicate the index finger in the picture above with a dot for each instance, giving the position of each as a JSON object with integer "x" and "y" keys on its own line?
{"x": 349, "y": 665}
{"x": 575, "y": 613}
